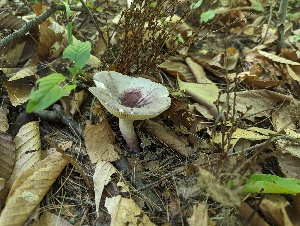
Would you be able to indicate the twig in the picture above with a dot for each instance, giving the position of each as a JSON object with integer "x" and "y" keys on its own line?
{"x": 94, "y": 22}
{"x": 58, "y": 115}
{"x": 31, "y": 24}
{"x": 74, "y": 163}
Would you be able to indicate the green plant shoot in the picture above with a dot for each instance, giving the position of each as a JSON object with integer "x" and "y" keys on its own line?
{"x": 54, "y": 86}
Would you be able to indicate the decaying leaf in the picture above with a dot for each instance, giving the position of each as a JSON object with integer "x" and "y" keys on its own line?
{"x": 28, "y": 148}
{"x": 277, "y": 59}
{"x": 168, "y": 138}
{"x": 102, "y": 177}
{"x": 273, "y": 208}
{"x": 99, "y": 139}
{"x": 19, "y": 89}
{"x": 124, "y": 211}
{"x": 29, "y": 189}
{"x": 205, "y": 94}
{"x": 3, "y": 121}
{"x": 7, "y": 155}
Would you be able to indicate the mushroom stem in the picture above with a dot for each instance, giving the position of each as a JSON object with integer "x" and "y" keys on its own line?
{"x": 127, "y": 130}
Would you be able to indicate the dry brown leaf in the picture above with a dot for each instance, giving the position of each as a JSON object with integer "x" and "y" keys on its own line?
{"x": 3, "y": 193}
{"x": 7, "y": 155}
{"x": 3, "y": 121}
{"x": 250, "y": 215}
{"x": 28, "y": 148}
{"x": 199, "y": 216}
{"x": 29, "y": 189}
{"x": 289, "y": 165}
{"x": 102, "y": 177}
{"x": 100, "y": 47}
{"x": 124, "y": 211}
{"x": 19, "y": 49}
{"x": 168, "y": 138}
{"x": 19, "y": 90}
{"x": 277, "y": 59}
{"x": 205, "y": 94}
{"x": 51, "y": 43}
{"x": 273, "y": 208}
{"x": 50, "y": 219}
{"x": 98, "y": 144}
{"x": 197, "y": 71}
{"x": 178, "y": 69}
{"x": 258, "y": 103}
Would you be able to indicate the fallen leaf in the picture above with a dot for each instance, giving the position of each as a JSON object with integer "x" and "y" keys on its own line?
{"x": 124, "y": 211}
{"x": 102, "y": 177}
{"x": 29, "y": 189}
{"x": 28, "y": 149}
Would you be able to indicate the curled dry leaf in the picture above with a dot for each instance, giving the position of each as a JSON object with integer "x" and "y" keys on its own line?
{"x": 205, "y": 94}
{"x": 7, "y": 155}
{"x": 273, "y": 208}
{"x": 48, "y": 38}
{"x": 277, "y": 59}
{"x": 197, "y": 71}
{"x": 29, "y": 189}
{"x": 102, "y": 177}
{"x": 28, "y": 149}
{"x": 124, "y": 211}
{"x": 178, "y": 69}
{"x": 99, "y": 139}
{"x": 3, "y": 121}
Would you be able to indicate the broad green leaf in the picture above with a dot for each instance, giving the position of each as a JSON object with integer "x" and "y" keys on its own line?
{"x": 50, "y": 89}
{"x": 206, "y": 16}
{"x": 79, "y": 53}
{"x": 263, "y": 183}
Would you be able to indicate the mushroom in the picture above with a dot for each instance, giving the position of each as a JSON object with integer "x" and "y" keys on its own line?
{"x": 130, "y": 99}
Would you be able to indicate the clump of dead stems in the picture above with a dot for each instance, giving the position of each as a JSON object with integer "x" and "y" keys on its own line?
{"x": 146, "y": 28}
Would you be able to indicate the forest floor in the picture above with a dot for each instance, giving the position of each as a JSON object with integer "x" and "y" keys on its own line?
{"x": 233, "y": 115}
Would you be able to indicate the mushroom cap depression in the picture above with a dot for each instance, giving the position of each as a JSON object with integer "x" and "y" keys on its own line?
{"x": 130, "y": 98}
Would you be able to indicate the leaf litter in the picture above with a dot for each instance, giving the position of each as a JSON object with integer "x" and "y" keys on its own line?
{"x": 234, "y": 112}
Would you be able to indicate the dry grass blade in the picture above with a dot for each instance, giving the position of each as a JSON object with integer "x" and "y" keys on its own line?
{"x": 29, "y": 189}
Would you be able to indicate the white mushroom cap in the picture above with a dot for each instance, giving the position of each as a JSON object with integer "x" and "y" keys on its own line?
{"x": 130, "y": 98}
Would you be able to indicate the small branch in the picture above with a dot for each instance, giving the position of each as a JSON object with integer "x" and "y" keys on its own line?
{"x": 31, "y": 24}
{"x": 28, "y": 26}
{"x": 94, "y": 22}
{"x": 58, "y": 115}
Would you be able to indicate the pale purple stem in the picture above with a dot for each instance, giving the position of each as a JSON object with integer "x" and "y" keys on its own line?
{"x": 127, "y": 130}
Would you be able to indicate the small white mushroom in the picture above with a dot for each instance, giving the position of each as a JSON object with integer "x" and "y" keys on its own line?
{"x": 130, "y": 99}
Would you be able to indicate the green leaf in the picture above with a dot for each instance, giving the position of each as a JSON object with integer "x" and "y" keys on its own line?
{"x": 206, "y": 16}
{"x": 263, "y": 183}
{"x": 195, "y": 5}
{"x": 50, "y": 89}
{"x": 79, "y": 53}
